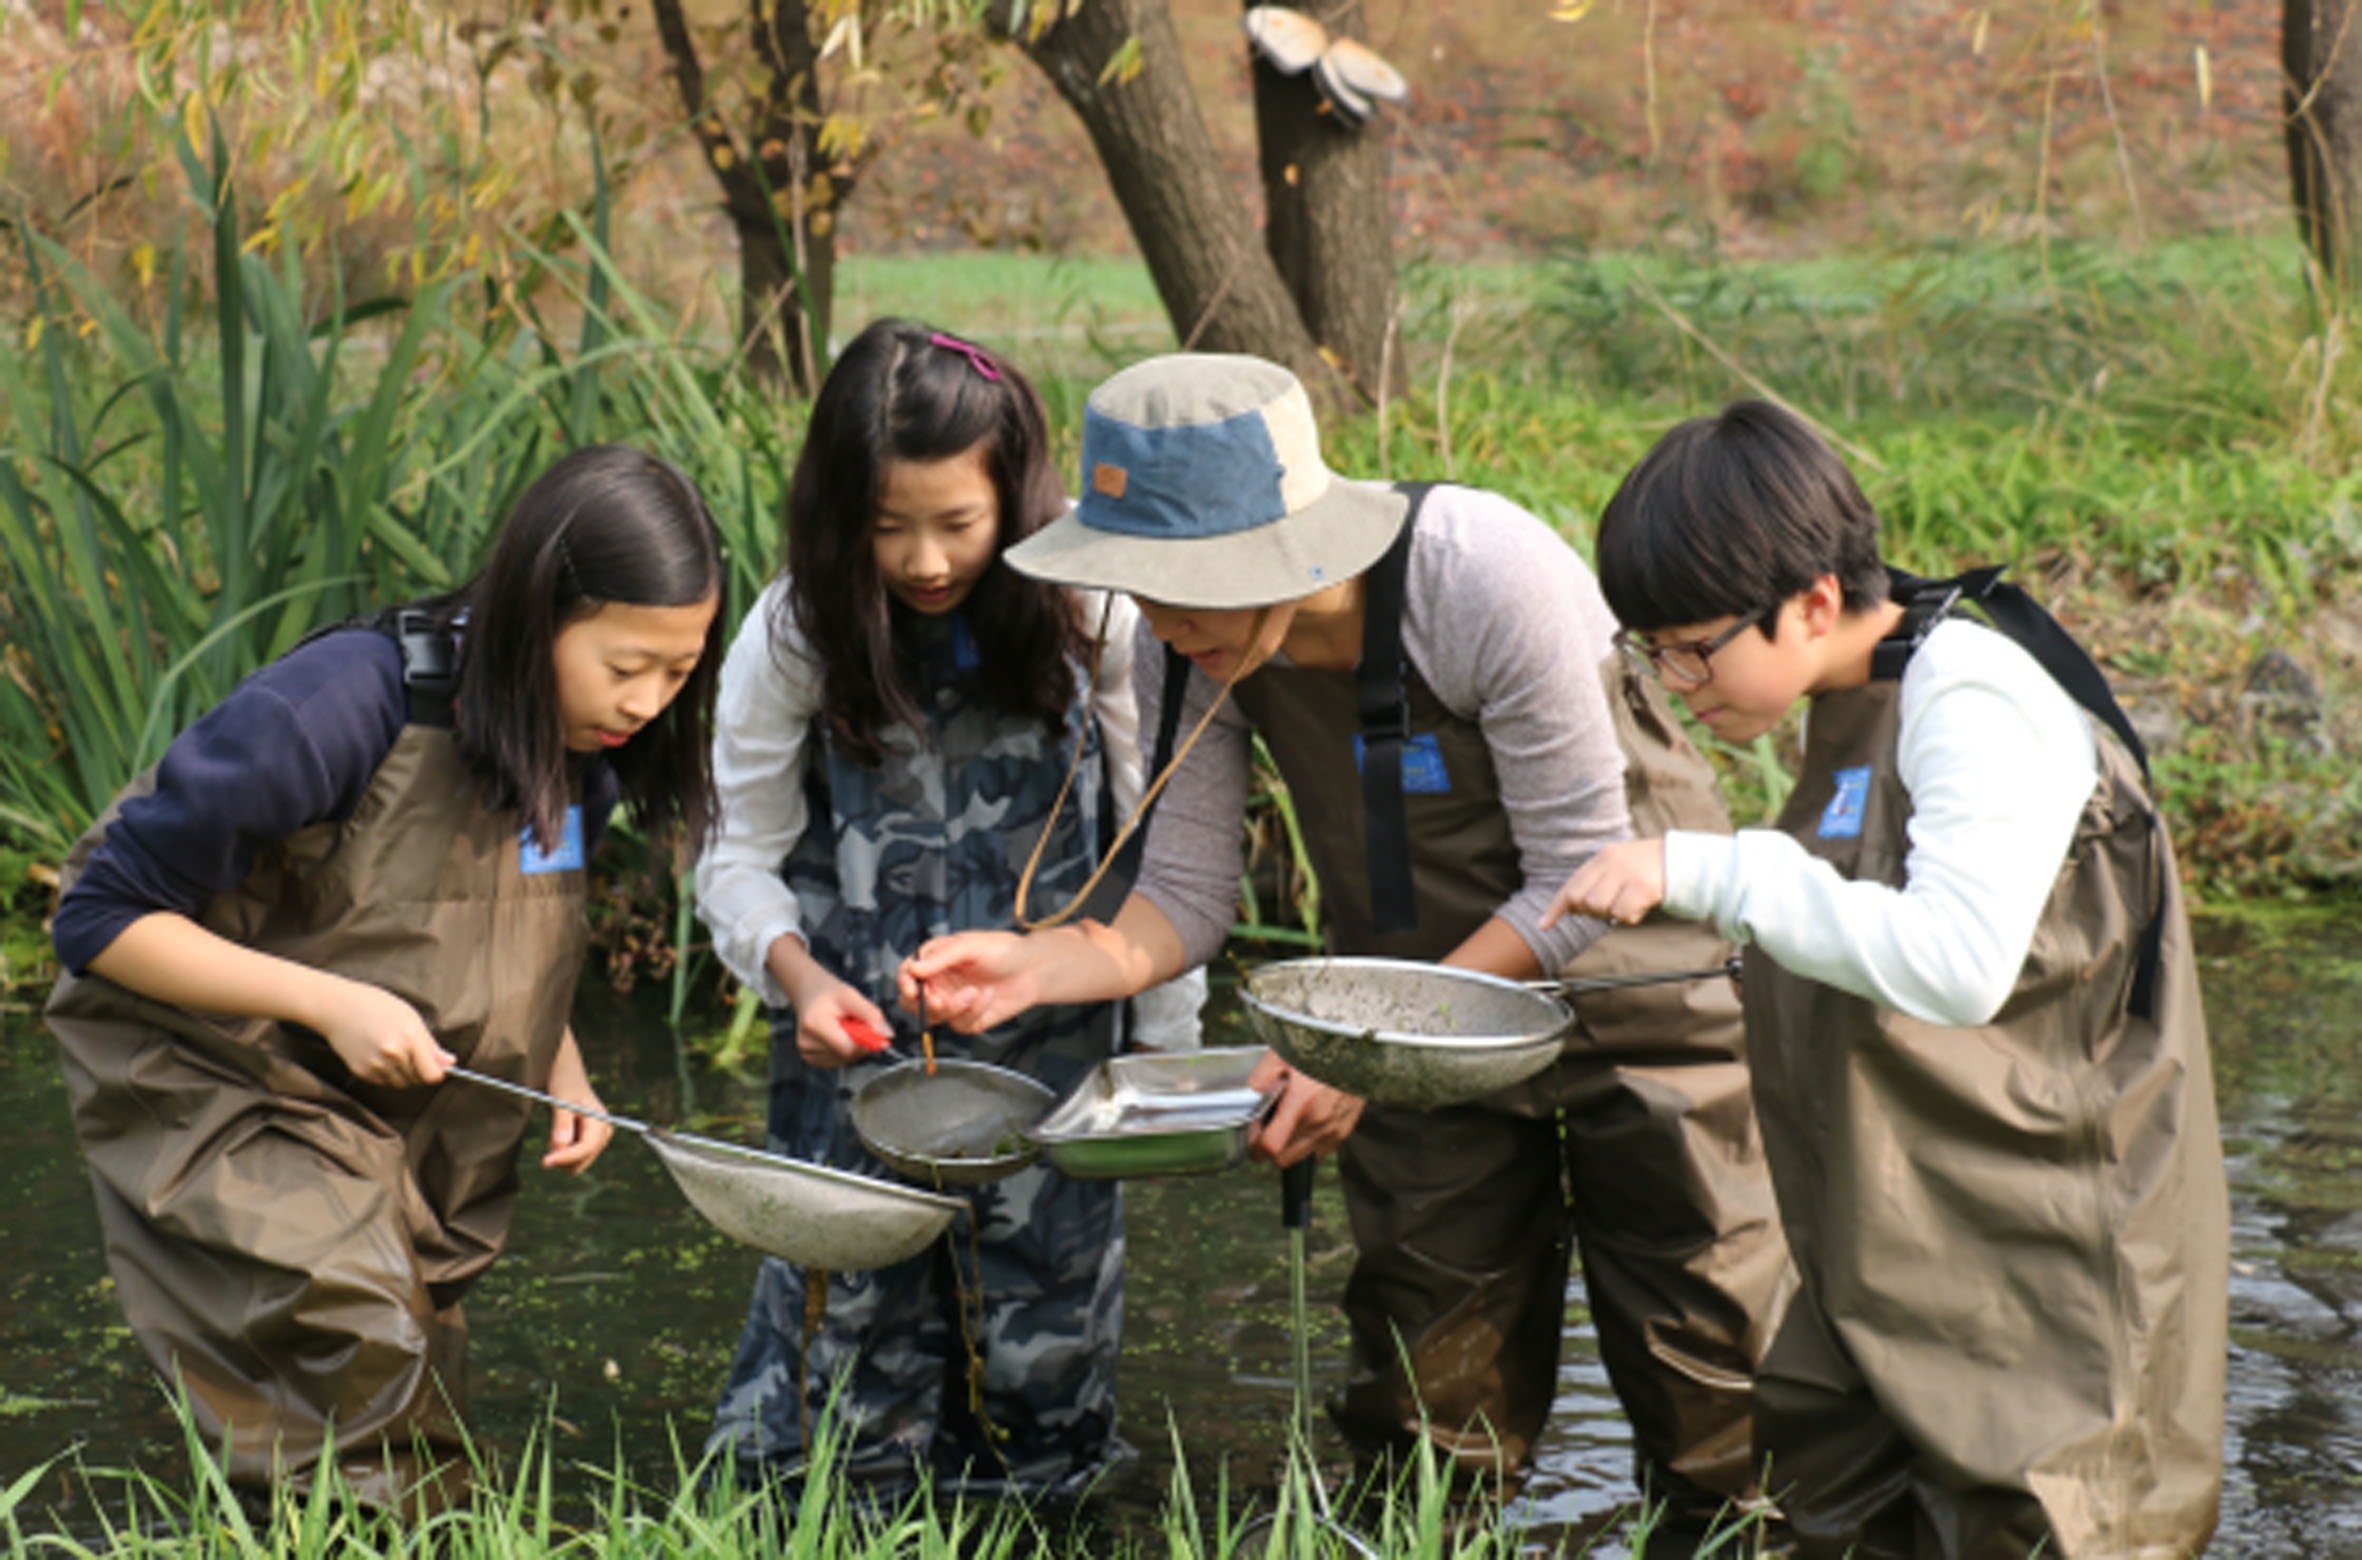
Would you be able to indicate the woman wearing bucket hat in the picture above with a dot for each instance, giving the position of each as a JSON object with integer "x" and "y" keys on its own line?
{"x": 1454, "y": 630}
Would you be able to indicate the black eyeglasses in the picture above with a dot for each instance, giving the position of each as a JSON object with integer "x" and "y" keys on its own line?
{"x": 1688, "y": 663}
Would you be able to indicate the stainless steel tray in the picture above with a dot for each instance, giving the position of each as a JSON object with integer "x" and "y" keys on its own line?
{"x": 1180, "y": 1113}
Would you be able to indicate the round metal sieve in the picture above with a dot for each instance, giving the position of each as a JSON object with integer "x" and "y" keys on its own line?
{"x": 961, "y": 1125}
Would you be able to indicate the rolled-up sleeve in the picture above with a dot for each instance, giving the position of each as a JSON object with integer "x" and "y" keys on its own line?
{"x": 769, "y": 697}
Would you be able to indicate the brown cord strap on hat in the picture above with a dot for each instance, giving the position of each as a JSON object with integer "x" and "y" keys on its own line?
{"x": 1141, "y": 808}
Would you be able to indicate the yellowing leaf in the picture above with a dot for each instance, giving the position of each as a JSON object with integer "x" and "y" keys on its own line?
{"x": 1570, "y": 10}
{"x": 2205, "y": 79}
{"x": 193, "y": 119}
{"x": 1123, "y": 64}
{"x": 841, "y": 136}
{"x": 1976, "y": 38}
{"x": 143, "y": 262}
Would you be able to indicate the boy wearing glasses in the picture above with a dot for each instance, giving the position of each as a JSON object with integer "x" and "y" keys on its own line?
{"x": 1973, "y": 1019}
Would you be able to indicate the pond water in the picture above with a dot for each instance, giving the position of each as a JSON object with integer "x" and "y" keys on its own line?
{"x": 615, "y": 1308}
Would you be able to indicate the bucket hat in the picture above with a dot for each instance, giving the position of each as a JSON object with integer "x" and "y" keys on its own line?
{"x": 1203, "y": 486}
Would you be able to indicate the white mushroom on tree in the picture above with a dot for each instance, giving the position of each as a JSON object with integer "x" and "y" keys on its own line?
{"x": 1350, "y": 76}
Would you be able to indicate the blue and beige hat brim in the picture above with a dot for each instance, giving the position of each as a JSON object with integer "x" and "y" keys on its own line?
{"x": 1203, "y": 486}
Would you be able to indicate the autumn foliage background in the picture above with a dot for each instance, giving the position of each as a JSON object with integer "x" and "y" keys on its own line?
{"x": 400, "y": 140}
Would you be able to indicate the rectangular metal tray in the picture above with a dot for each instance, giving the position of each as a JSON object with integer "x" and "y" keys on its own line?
{"x": 1172, "y": 1113}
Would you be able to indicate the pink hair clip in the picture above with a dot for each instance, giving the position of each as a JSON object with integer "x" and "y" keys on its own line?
{"x": 973, "y": 353}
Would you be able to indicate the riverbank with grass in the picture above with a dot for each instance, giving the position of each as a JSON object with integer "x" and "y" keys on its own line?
{"x": 2161, "y": 443}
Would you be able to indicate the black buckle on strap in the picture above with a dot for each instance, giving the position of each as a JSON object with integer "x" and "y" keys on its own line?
{"x": 1924, "y": 609}
{"x": 430, "y": 665}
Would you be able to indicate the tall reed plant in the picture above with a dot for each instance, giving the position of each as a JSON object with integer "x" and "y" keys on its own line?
{"x": 183, "y": 498}
{"x": 186, "y": 493}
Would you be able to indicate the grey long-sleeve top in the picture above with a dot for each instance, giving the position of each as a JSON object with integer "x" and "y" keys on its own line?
{"x": 1507, "y": 626}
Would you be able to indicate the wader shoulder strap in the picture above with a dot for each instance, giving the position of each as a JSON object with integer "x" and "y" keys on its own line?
{"x": 430, "y": 657}
{"x": 2029, "y": 625}
{"x": 1384, "y": 709}
{"x": 430, "y": 665}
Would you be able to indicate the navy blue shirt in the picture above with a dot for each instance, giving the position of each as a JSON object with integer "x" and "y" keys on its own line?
{"x": 293, "y": 745}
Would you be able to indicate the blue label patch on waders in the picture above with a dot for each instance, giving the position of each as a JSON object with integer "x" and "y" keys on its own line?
{"x": 566, "y": 858}
{"x": 1423, "y": 772}
{"x": 1842, "y": 818}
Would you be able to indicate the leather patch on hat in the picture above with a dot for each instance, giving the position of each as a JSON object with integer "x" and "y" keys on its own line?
{"x": 1109, "y": 480}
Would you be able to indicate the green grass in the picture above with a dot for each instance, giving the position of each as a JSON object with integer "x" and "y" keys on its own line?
{"x": 1015, "y": 301}
{"x": 533, "y": 1507}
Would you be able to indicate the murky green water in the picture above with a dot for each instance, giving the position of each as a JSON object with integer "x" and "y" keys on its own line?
{"x": 615, "y": 1309}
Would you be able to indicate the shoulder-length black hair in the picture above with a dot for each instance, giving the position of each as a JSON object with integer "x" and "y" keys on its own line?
{"x": 604, "y": 524}
{"x": 905, "y": 391}
{"x": 1729, "y": 516}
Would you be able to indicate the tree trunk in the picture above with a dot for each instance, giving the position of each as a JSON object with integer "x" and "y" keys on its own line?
{"x": 783, "y": 340}
{"x": 2321, "y": 52}
{"x": 785, "y": 219}
{"x": 1219, "y": 286}
{"x": 1328, "y": 218}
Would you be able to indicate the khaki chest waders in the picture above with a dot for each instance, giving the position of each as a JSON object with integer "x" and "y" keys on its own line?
{"x": 291, "y": 1243}
{"x": 2012, "y": 1236}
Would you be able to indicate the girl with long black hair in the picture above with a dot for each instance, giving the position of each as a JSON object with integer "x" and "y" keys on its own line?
{"x": 364, "y": 865}
{"x": 896, "y": 718}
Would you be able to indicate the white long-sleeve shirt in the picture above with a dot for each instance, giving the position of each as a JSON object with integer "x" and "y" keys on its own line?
{"x": 763, "y": 731}
{"x": 1999, "y": 762}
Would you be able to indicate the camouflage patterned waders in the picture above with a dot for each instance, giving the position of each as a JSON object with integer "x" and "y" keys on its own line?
{"x": 931, "y": 842}
{"x": 1638, "y": 1147}
{"x": 2013, "y": 1236}
{"x": 289, "y": 1241}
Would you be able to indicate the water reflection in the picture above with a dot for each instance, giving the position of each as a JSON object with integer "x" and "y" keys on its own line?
{"x": 616, "y": 1306}
{"x": 2288, "y": 1057}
